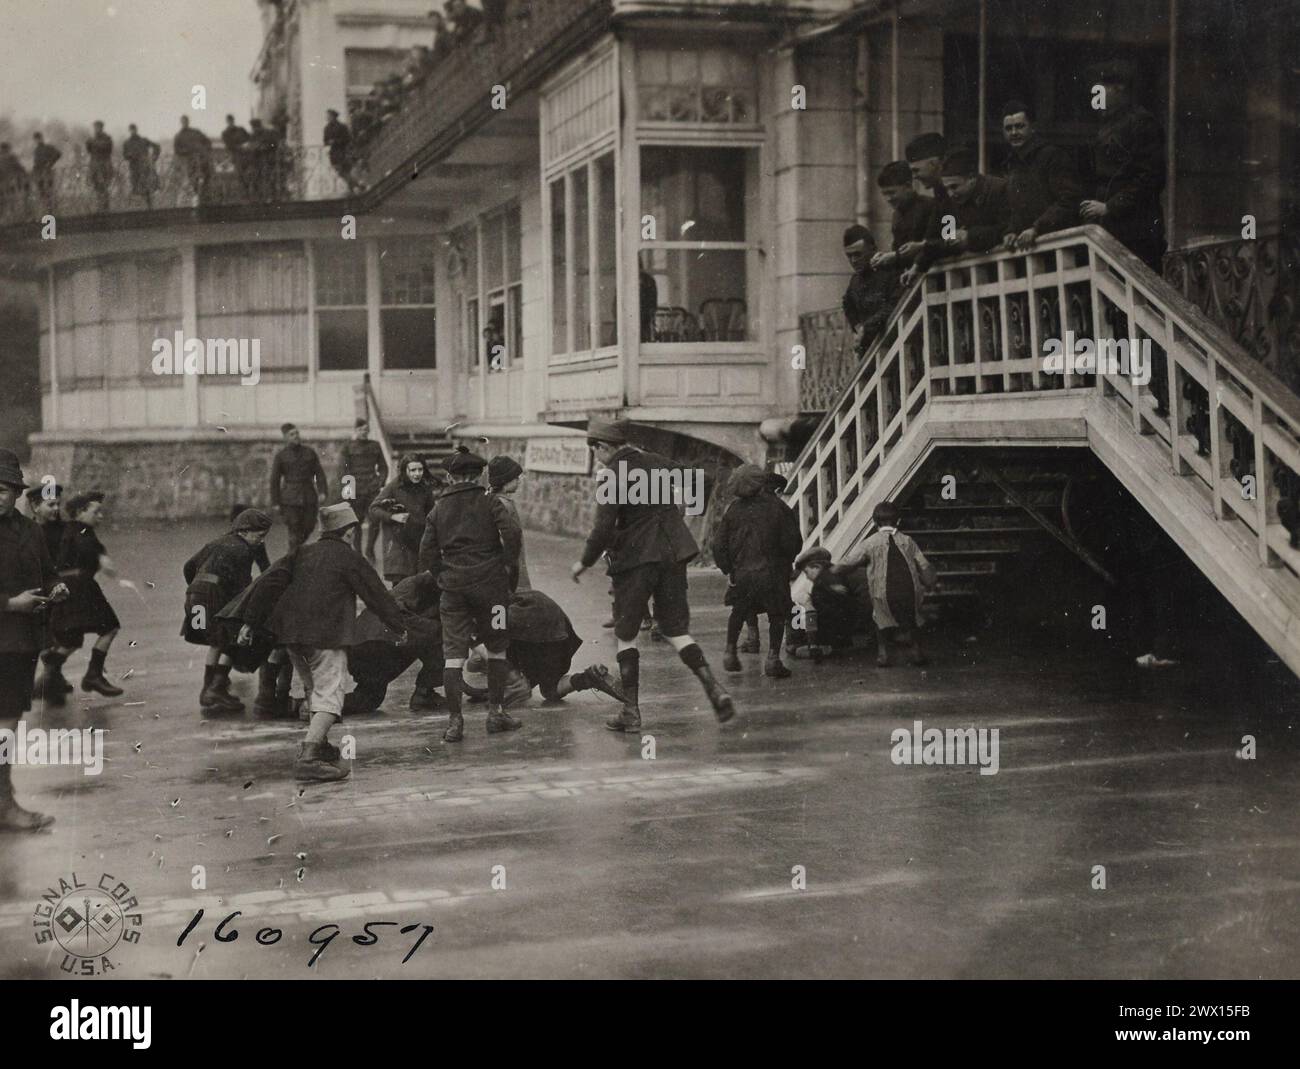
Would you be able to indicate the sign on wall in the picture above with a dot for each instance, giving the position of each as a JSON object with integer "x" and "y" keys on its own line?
{"x": 568, "y": 455}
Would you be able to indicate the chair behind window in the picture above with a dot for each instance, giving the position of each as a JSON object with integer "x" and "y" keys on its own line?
{"x": 675, "y": 324}
{"x": 723, "y": 319}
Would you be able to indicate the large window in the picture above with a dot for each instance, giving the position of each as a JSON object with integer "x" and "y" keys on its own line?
{"x": 702, "y": 85}
{"x": 697, "y": 275}
{"x": 408, "y": 320}
{"x": 502, "y": 288}
{"x": 341, "y": 335}
{"x": 257, "y": 290}
{"x": 584, "y": 243}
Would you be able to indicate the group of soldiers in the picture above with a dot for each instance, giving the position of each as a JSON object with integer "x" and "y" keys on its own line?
{"x": 943, "y": 207}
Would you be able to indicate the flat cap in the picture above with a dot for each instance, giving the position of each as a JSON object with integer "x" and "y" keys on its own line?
{"x": 599, "y": 430}
{"x": 813, "y": 555}
{"x": 463, "y": 462}
{"x": 252, "y": 520}
{"x": 961, "y": 162}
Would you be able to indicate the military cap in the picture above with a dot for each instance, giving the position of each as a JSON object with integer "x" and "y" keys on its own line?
{"x": 857, "y": 233}
{"x": 961, "y": 162}
{"x": 925, "y": 147}
{"x": 895, "y": 173}
{"x": 465, "y": 463}
{"x": 37, "y": 493}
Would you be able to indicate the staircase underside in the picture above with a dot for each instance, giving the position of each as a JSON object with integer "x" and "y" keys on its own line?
{"x": 1224, "y": 551}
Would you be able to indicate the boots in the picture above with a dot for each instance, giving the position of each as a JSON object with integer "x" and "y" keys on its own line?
{"x": 750, "y": 645}
{"x": 723, "y": 707}
{"x": 265, "y": 704}
{"x": 95, "y": 680}
{"x": 499, "y": 720}
{"x": 731, "y": 660}
{"x": 51, "y": 686}
{"x": 455, "y": 728}
{"x": 628, "y": 719}
{"x": 216, "y": 697}
{"x": 315, "y": 763}
{"x": 774, "y": 668}
{"x": 598, "y": 677}
{"x": 424, "y": 700}
{"x": 14, "y": 817}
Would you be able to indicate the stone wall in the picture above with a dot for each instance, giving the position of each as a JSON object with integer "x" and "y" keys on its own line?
{"x": 171, "y": 480}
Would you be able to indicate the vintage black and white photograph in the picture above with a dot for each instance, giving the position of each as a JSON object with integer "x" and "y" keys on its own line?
{"x": 651, "y": 489}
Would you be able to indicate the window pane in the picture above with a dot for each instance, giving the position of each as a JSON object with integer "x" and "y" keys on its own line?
{"x": 342, "y": 338}
{"x": 581, "y": 262}
{"x": 493, "y": 253}
{"x": 606, "y": 253}
{"x": 493, "y": 342}
{"x": 513, "y": 238}
{"x": 409, "y": 338}
{"x": 406, "y": 272}
{"x": 700, "y": 294}
{"x": 559, "y": 268}
{"x": 340, "y": 273}
{"x": 515, "y": 298}
{"x": 704, "y": 187}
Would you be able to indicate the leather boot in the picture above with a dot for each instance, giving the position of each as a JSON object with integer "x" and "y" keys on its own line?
{"x": 628, "y": 719}
{"x": 499, "y": 720}
{"x": 598, "y": 677}
{"x": 774, "y": 668}
{"x": 221, "y": 688}
{"x": 424, "y": 701}
{"x": 95, "y": 680}
{"x": 315, "y": 764}
{"x": 455, "y": 728}
{"x": 723, "y": 707}
{"x": 731, "y": 660}
{"x": 264, "y": 704}
{"x": 750, "y": 645}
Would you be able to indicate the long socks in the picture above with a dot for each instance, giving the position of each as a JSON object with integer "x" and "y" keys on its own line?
{"x": 734, "y": 623}
{"x": 629, "y": 672}
{"x": 451, "y": 685}
{"x": 498, "y": 669}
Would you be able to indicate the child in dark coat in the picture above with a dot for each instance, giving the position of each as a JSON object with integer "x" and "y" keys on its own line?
{"x": 755, "y": 546}
{"x": 87, "y": 611}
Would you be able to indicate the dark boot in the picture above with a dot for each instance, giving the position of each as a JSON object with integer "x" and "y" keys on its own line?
{"x": 264, "y": 702}
{"x": 51, "y": 686}
{"x": 14, "y": 817}
{"x": 598, "y": 677}
{"x": 723, "y": 707}
{"x": 315, "y": 764}
{"x": 750, "y": 645}
{"x": 425, "y": 701}
{"x": 95, "y": 680}
{"x": 221, "y": 688}
{"x": 629, "y": 670}
{"x": 731, "y": 660}
{"x": 452, "y": 682}
{"x": 499, "y": 720}
{"x": 774, "y": 668}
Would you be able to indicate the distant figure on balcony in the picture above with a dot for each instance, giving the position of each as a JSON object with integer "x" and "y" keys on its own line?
{"x": 973, "y": 219}
{"x": 465, "y": 20}
{"x": 872, "y": 291}
{"x": 1043, "y": 187}
{"x": 44, "y": 157}
{"x": 1128, "y": 165}
{"x": 262, "y": 148}
{"x": 925, "y": 155}
{"x": 338, "y": 139}
{"x": 193, "y": 150}
{"x": 911, "y": 220}
{"x": 297, "y": 485}
{"x": 235, "y": 139}
{"x": 100, "y": 150}
{"x": 442, "y": 43}
{"x": 13, "y": 184}
{"x": 419, "y": 62}
{"x": 141, "y": 157}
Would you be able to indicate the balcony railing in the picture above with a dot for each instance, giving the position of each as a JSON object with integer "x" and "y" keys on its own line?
{"x": 830, "y": 358}
{"x": 76, "y": 188}
{"x": 1251, "y": 289}
{"x": 532, "y": 38}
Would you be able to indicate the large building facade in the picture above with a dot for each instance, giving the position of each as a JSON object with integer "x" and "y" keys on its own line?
{"x": 596, "y": 208}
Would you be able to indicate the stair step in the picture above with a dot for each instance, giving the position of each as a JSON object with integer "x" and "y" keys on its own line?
{"x": 968, "y": 573}
{"x": 937, "y": 532}
{"x": 974, "y": 553}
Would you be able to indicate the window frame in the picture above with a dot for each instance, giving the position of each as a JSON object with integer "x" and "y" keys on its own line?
{"x": 414, "y": 241}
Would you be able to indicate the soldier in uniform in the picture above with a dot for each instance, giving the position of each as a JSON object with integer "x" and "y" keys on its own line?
{"x": 193, "y": 149}
{"x": 471, "y": 545}
{"x": 1043, "y": 187}
{"x": 215, "y": 575}
{"x": 362, "y": 472}
{"x": 100, "y": 150}
{"x": 297, "y": 485}
{"x": 976, "y": 207}
{"x": 911, "y": 220}
{"x": 141, "y": 156}
{"x": 1128, "y": 164}
{"x": 649, "y": 546}
{"x": 44, "y": 157}
{"x": 872, "y": 291}
{"x": 28, "y": 583}
{"x": 925, "y": 155}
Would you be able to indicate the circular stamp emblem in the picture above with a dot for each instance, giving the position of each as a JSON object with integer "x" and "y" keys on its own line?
{"x": 88, "y": 920}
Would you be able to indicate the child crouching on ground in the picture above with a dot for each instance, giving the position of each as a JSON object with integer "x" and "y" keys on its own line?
{"x": 898, "y": 573}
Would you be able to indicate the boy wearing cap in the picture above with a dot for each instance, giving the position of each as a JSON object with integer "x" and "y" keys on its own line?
{"x": 86, "y": 611}
{"x": 503, "y": 481}
{"x": 215, "y": 575}
{"x": 362, "y": 472}
{"x": 471, "y": 545}
{"x": 28, "y": 583}
{"x": 648, "y": 545}
{"x": 316, "y": 619}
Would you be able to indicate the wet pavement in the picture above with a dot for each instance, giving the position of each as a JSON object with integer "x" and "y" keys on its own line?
{"x": 785, "y": 844}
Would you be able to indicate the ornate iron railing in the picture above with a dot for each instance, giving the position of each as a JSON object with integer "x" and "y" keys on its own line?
{"x": 1251, "y": 289}
{"x": 76, "y": 187}
{"x": 532, "y": 37}
{"x": 966, "y": 329}
{"x": 830, "y": 357}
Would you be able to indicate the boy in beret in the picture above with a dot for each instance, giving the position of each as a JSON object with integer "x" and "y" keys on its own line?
{"x": 471, "y": 544}
{"x": 81, "y": 557}
{"x": 503, "y": 480}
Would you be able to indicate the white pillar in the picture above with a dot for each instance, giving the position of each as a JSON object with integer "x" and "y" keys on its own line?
{"x": 190, "y": 328}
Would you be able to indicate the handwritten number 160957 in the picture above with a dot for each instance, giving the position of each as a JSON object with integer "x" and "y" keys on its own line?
{"x": 270, "y": 936}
